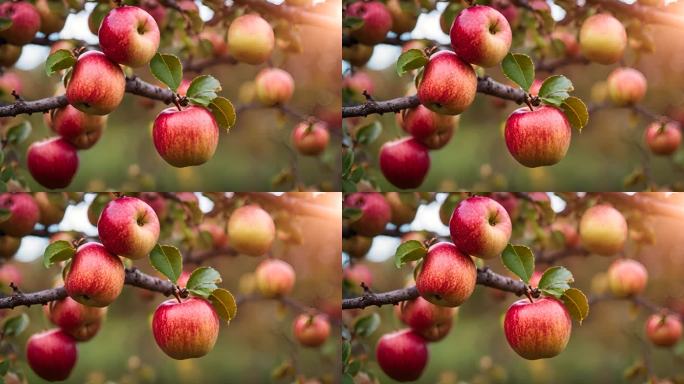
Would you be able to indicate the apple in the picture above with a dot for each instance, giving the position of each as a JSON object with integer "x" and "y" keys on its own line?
{"x": 602, "y": 39}
{"x": 298, "y": 3}
{"x": 509, "y": 202}
{"x": 9, "y": 246}
{"x": 626, "y": 86}
{"x": 403, "y": 206}
{"x": 539, "y": 329}
{"x": 128, "y": 227}
{"x": 97, "y": 84}
{"x": 52, "y": 162}
{"x": 158, "y": 204}
{"x": 219, "y": 45}
{"x": 402, "y": 355}
{"x": 51, "y": 207}
{"x": 250, "y": 39}
{"x": 97, "y": 15}
{"x": 95, "y": 277}
{"x": 310, "y": 139}
{"x": 663, "y": 330}
{"x": 480, "y": 227}
{"x": 430, "y": 128}
{"x": 603, "y": 230}
{"x": 535, "y": 278}
{"x": 663, "y": 138}
{"x": 9, "y": 54}
{"x": 375, "y": 212}
{"x": 356, "y": 246}
{"x": 404, "y": 15}
{"x": 77, "y": 320}
{"x": 23, "y": 214}
{"x": 129, "y": 36}
{"x": 404, "y": 162}
{"x": 358, "y": 273}
{"x": 51, "y": 354}
{"x": 627, "y": 277}
{"x": 219, "y": 236}
{"x": 156, "y": 10}
{"x": 186, "y": 137}
{"x": 535, "y": 87}
{"x": 273, "y": 86}
{"x": 10, "y": 274}
{"x": 25, "y": 22}
{"x": 570, "y": 45}
{"x": 447, "y": 277}
{"x": 448, "y": 84}
{"x": 186, "y": 329}
{"x": 430, "y": 321}
{"x": 357, "y": 55}
{"x": 311, "y": 330}
{"x": 251, "y": 230}
{"x": 358, "y": 82}
{"x": 377, "y": 21}
{"x": 481, "y": 35}
{"x": 538, "y": 138}
{"x": 446, "y": 18}
{"x": 10, "y": 81}
{"x": 569, "y": 231}
{"x": 274, "y": 278}
{"x": 78, "y": 128}
{"x": 53, "y": 15}
{"x": 508, "y": 10}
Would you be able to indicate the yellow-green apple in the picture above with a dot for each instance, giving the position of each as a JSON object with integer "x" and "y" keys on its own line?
{"x": 627, "y": 277}
{"x": 97, "y": 15}
{"x": 377, "y": 21}
{"x": 446, "y": 18}
{"x": 404, "y": 15}
{"x": 9, "y": 246}
{"x": 570, "y": 45}
{"x": 23, "y": 214}
{"x": 603, "y": 230}
{"x": 448, "y": 84}
{"x": 663, "y": 330}
{"x": 569, "y": 231}
{"x": 663, "y": 138}
{"x": 9, "y": 273}
{"x": 509, "y": 202}
{"x": 78, "y": 128}
{"x": 481, "y": 35}
{"x": 274, "y": 278}
{"x": 128, "y": 227}
{"x": 219, "y": 236}
{"x": 51, "y": 354}
{"x": 539, "y": 329}
{"x": 96, "y": 85}
{"x": 158, "y": 204}
{"x": 356, "y": 246}
{"x": 95, "y": 277}
{"x": 538, "y": 137}
{"x": 77, "y": 320}
{"x": 186, "y": 137}
{"x": 217, "y": 40}
{"x": 602, "y": 39}
{"x": 447, "y": 277}
{"x": 404, "y": 162}
{"x": 626, "y": 86}
{"x": 358, "y": 273}
{"x": 273, "y": 86}
{"x": 25, "y": 22}
{"x": 156, "y": 10}
{"x": 251, "y": 230}
{"x": 357, "y": 55}
{"x": 51, "y": 207}
{"x": 9, "y": 54}
{"x": 375, "y": 212}
{"x": 250, "y": 39}
{"x": 402, "y": 355}
{"x": 52, "y": 162}
{"x": 430, "y": 128}
{"x": 403, "y": 206}
{"x": 128, "y": 35}
{"x": 430, "y": 321}
{"x": 311, "y": 330}
{"x": 310, "y": 139}
{"x": 186, "y": 329}
{"x": 480, "y": 227}
{"x": 53, "y": 15}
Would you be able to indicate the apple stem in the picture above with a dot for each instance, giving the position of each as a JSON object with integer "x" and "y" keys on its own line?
{"x": 529, "y": 296}
{"x": 528, "y": 102}
{"x": 176, "y": 294}
{"x": 177, "y": 102}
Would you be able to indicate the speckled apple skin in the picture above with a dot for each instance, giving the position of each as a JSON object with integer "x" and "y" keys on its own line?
{"x": 97, "y": 84}
{"x": 447, "y": 277}
{"x": 52, "y": 162}
{"x": 375, "y": 212}
{"x": 95, "y": 276}
{"x": 185, "y": 138}
{"x": 481, "y": 35}
{"x": 538, "y": 330}
{"x": 185, "y": 330}
{"x": 128, "y": 227}
{"x": 448, "y": 85}
{"x": 377, "y": 21}
{"x": 128, "y": 35}
{"x": 402, "y": 355}
{"x": 51, "y": 354}
{"x": 430, "y": 321}
{"x": 405, "y": 162}
{"x": 603, "y": 230}
{"x": 24, "y": 214}
{"x": 538, "y": 138}
{"x": 480, "y": 227}
{"x": 251, "y": 230}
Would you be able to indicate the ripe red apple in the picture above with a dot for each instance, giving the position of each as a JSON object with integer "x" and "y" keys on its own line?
{"x": 250, "y": 39}
{"x": 481, "y": 35}
{"x": 51, "y": 354}
{"x": 570, "y": 44}
{"x": 53, "y": 15}
{"x": 9, "y": 54}
{"x": 508, "y": 10}
{"x": 311, "y": 330}
{"x": 128, "y": 227}
{"x": 9, "y": 273}
{"x": 158, "y": 204}
{"x": 404, "y": 162}
{"x": 403, "y": 206}
{"x": 538, "y": 138}
{"x": 627, "y": 277}
{"x": 404, "y": 15}
{"x": 52, "y": 162}
{"x": 509, "y": 202}
{"x": 129, "y": 36}
{"x": 663, "y": 138}
{"x": 603, "y": 39}
{"x": 9, "y": 246}
{"x": 51, "y": 207}
{"x": 310, "y": 139}
{"x": 626, "y": 86}
{"x": 357, "y": 55}
{"x": 96, "y": 85}
{"x": 539, "y": 329}
{"x": 447, "y": 277}
{"x": 274, "y": 278}
{"x": 377, "y": 21}
{"x": 251, "y": 230}
{"x": 448, "y": 84}
{"x": 356, "y": 246}
{"x": 430, "y": 321}
{"x": 25, "y": 22}
{"x": 24, "y": 214}
{"x": 273, "y": 86}
{"x": 187, "y": 329}
{"x": 156, "y": 10}
{"x": 10, "y": 81}
{"x": 603, "y": 230}
{"x": 358, "y": 82}
{"x": 375, "y": 212}
{"x": 187, "y": 137}
{"x": 430, "y": 128}
{"x": 219, "y": 236}
{"x": 77, "y": 320}
{"x": 78, "y": 128}
{"x": 480, "y": 227}
{"x": 95, "y": 277}
{"x": 358, "y": 273}
{"x": 663, "y": 330}
{"x": 402, "y": 355}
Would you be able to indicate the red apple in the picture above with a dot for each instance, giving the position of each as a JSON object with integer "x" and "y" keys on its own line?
{"x": 311, "y": 330}
{"x": 663, "y": 330}
{"x": 430, "y": 321}
{"x": 508, "y": 10}
{"x": 80, "y": 129}
{"x": 663, "y": 138}
{"x": 96, "y": 85}
{"x": 603, "y": 230}
{"x": 447, "y": 277}
{"x": 187, "y": 329}
{"x": 251, "y": 230}
{"x": 627, "y": 278}
{"x": 129, "y": 36}
{"x": 539, "y": 329}
{"x": 51, "y": 206}
{"x": 95, "y": 277}
{"x": 187, "y": 137}
{"x": 53, "y": 15}
{"x": 538, "y": 138}
{"x": 9, "y": 246}
{"x": 375, "y": 212}
{"x": 570, "y": 235}
{"x": 273, "y": 86}
{"x": 158, "y": 204}
{"x": 274, "y": 278}
{"x": 404, "y": 162}
{"x": 430, "y": 128}
{"x": 509, "y": 202}
{"x": 10, "y": 274}
{"x": 250, "y": 39}
{"x": 310, "y": 139}
{"x": 481, "y": 35}
{"x": 402, "y": 355}
{"x": 570, "y": 44}
{"x": 219, "y": 236}
{"x": 23, "y": 214}
{"x": 52, "y": 162}
{"x": 480, "y": 227}
{"x": 9, "y": 81}
{"x": 51, "y": 354}
{"x": 377, "y": 21}
{"x": 219, "y": 46}
{"x": 77, "y": 320}
{"x": 626, "y": 86}
{"x": 358, "y": 82}
{"x": 128, "y": 227}
{"x": 603, "y": 39}
{"x": 156, "y": 10}
{"x": 448, "y": 84}
{"x": 358, "y": 273}
{"x": 25, "y": 22}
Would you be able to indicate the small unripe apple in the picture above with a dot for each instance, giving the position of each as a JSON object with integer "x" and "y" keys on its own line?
{"x": 403, "y": 205}
{"x": 251, "y": 230}
{"x": 250, "y": 39}
{"x": 274, "y": 278}
{"x": 358, "y": 273}
{"x": 310, "y": 139}
{"x": 96, "y": 85}
{"x": 603, "y": 39}
{"x": 128, "y": 35}
{"x": 627, "y": 277}
{"x": 357, "y": 246}
{"x": 404, "y": 162}
{"x": 95, "y": 277}
{"x": 24, "y": 214}
{"x": 430, "y": 321}
{"x": 51, "y": 207}
{"x": 603, "y": 230}
{"x": 626, "y": 86}
{"x": 311, "y": 330}
{"x": 78, "y": 128}
{"x": 447, "y": 277}
{"x": 448, "y": 84}
{"x": 539, "y": 329}
{"x": 357, "y": 55}
{"x": 663, "y": 138}
{"x": 128, "y": 227}
{"x": 402, "y": 355}
{"x": 77, "y": 320}
{"x": 430, "y": 128}
{"x": 663, "y": 330}
{"x": 9, "y": 54}
{"x": 481, "y": 35}
{"x": 538, "y": 138}
{"x": 375, "y": 212}
{"x": 480, "y": 227}
{"x": 53, "y": 15}
{"x": 377, "y": 21}
{"x": 51, "y": 354}
{"x": 187, "y": 329}
{"x": 273, "y": 86}
{"x": 52, "y": 162}
{"x": 187, "y": 137}
{"x": 9, "y": 246}
{"x": 25, "y": 22}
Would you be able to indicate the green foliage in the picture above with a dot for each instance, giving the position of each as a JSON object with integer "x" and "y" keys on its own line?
{"x": 576, "y": 303}
{"x": 576, "y": 112}
{"x": 167, "y": 260}
{"x": 223, "y": 112}
{"x": 168, "y": 69}
{"x": 365, "y": 326}
{"x": 18, "y": 133}
{"x": 555, "y": 89}
{"x": 555, "y": 281}
{"x": 411, "y": 250}
{"x": 519, "y": 259}
{"x": 368, "y": 133}
{"x": 411, "y": 59}
{"x": 203, "y": 281}
{"x": 58, "y": 251}
{"x": 62, "y": 59}
{"x": 15, "y": 325}
{"x": 519, "y": 68}
{"x": 203, "y": 89}
{"x": 224, "y": 303}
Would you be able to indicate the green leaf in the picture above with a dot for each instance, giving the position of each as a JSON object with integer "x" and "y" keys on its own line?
{"x": 366, "y": 325}
{"x": 346, "y": 351}
{"x": 15, "y": 325}
{"x": 519, "y": 68}
{"x": 410, "y": 60}
{"x": 2, "y": 156}
{"x": 347, "y": 379}
{"x": 223, "y": 112}
{"x": 555, "y": 281}
{"x": 556, "y": 87}
{"x": 411, "y": 250}
{"x": 168, "y": 261}
{"x": 4, "y": 367}
{"x": 6, "y": 213}
{"x": 576, "y": 112}
{"x": 347, "y": 161}
{"x": 203, "y": 281}
{"x": 167, "y": 69}
{"x": 5, "y": 23}
{"x": 348, "y": 186}
{"x": 368, "y": 133}
{"x": 58, "y": 251}
{"x": 61, "y": 59}
{"x": 352, "y": 22}
{"x": 354, "y": 367}
{"x": 224, "y": 303}
{"x": 519, "y": 259}
{"x": 352, "y": 214}
{"x": 577, "y": 304}
{"x": 19, "y": 132}
{"x": 203, "y": 88}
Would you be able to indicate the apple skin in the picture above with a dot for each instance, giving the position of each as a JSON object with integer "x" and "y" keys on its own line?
{"x": 358, "y": 273}
{"x": 157, "y": 11}
{"x": 9, "y": 273}
{"x": 51, "y": 207}
{"x": 358, "y": 82}
{"x": 356, "y": 246}
{"x": 158, "y": 204}
{"x": 663, "y": 330}
{"x": 78, "y": 128}
{"x": 603, "y": 39}
{"x": 128, "y": 35}
{"x": 663, "y": 138}
{"x": 9, "y": 246}
{"x": 9, "y": 54}
{"x": 509, "y": 202}
{"x": 538, "y": 138}
{"x": 569, "y": 231}
{"x": 508, "y": 10}
{"x": 448, "y": 84}
{"x": 402, "y": 355}
{"x": 251, "y": 230}
{"x": 185, "y": 330}
{"x": 311, "y": 331}
{"x": 53, "y": 15}
{"x": 447, "y": 277}
{"x": 403, "y": 210}
{"x": 627, "y": 277}
{"x": 250, "y": 39}
{"x": 52, "y": 162}
{"x": 77, "y": 320}
{"x": 572, "y": 48}
{"x": 404, "y": 15}
{"x": 377, "y": 21}
{"x": 219, "y": 236}
{"x": 25, "y": 22}
{"x": 97, "y": 84}
{"x": 185, "y": 138}
{"x": 626, "y": 86}
{"x": 481, "y": 35}
{"x": 128, "y": 227}
{"x": 95, "y": 277}
{"x": 51, "y": 354}
{"x": 430, "y": 321}
{"x": 273, "y": 86}
{"x": 375, "y": 212}
{"x": 480, "y": 227}
{"x": 24, "y": 214}
{"x": 537, "y": 330}
{"x": 274, "y": 278}
{"x": 310, "y": 139}
{"x": 219, "y": 45}
{"x": 357, "y": 55}
{"x": 404, "y": 162}
{"x": 603, "y": 230}
{"x": 431, "y": 129}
